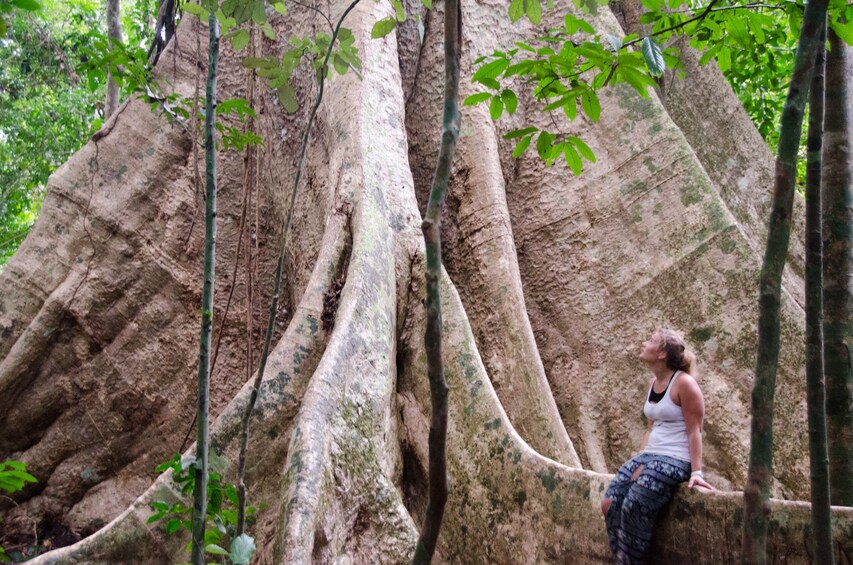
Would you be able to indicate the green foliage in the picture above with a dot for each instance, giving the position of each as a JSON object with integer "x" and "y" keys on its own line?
{"x": 753, "y": 44}
{"x": 13, "y": 478}
{"x": 9, "y": 6}
{"x": 278, "y": 72}
{"x": 46, "y": 110}
{"x": 222, "y": 502}
{"x": 564, "y": 68}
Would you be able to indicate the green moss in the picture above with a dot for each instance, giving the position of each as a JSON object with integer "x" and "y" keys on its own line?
{"x": 548, "y": 479}
{"x": 493, "y": 425}
{"x": 700, "y": 334}
{"x": 655, "y": 128}
{"x": 727, "y": 245}
{"x": 557, "y": 504}
{"x": 691, "y": 194}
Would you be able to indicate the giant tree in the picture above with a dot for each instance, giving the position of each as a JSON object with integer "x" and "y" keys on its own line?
{"x": 551, "y": 280}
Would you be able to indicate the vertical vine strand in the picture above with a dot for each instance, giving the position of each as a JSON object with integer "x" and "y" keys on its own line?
{"x": 431, "y": 228}
{"x": 202, "y": 424}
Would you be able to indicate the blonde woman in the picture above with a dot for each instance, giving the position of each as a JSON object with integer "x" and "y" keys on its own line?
{"x": 671, "y": 452}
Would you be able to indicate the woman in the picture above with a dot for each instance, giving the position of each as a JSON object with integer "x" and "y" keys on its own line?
{"x": 671, "y": 451}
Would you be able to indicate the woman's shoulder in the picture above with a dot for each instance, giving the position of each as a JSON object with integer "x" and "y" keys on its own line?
{"x": 685, "y": 384}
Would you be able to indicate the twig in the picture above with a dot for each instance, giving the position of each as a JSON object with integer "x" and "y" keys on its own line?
{"x": 701, "y": 16}
{"x": 315, "y": 9}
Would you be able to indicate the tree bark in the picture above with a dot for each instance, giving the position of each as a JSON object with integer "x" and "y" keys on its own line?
{"x": 760, "y": 472}
{"x": 837, "y": 188}
{"x": 114, "y": 34}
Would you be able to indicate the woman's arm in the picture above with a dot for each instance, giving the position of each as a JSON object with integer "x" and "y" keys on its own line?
{"x": 693, "y": 407}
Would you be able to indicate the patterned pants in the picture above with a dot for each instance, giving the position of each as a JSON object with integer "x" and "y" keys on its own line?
{"x": 636, "y": 504}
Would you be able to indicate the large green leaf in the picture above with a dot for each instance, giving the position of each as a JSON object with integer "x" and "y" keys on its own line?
{"x": 287, "y": 97}
{"x": 516, "y": 10}
{"x": 496, "y": 107}
{"x": 383, "y": 27}
{"x": 242, "y": 549}
{"x": 653, "y": 55}
{"x": 475, "y": 99}
{"x": 240, "y": 39}
{"x": 534, "y": 11}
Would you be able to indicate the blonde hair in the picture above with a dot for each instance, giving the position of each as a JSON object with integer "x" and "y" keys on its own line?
{"x": 677, "y": 355}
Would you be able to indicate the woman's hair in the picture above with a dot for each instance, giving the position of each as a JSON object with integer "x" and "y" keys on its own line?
{"x": 677, "y": 355}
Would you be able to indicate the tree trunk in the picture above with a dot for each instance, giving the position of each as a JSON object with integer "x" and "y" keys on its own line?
{"x": 760, "y": 474}
{"x": 552, "y": 282}
{"x": 114, "y": 33}
{"x": 837, "y": 190}
{"x": 815, "y": 387}
{"x": 201, "y": 468}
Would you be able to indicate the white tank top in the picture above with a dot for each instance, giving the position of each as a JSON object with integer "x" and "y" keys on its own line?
{"x": 669, "y": 432}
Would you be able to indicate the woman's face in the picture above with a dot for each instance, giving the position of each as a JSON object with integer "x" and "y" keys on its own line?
{"x": 651, "y": 350}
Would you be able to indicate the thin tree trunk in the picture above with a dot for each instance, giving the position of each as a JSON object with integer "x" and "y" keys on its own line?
{"x": 244, "y": 441}
{"x": 431, "y": 228}
{"x": 200, "y": 493}
{"x": 114, "y": 33}
{"x": 815, "y": 393}
{"x": 837, "y": 188}
{"x": 760, "y": 470}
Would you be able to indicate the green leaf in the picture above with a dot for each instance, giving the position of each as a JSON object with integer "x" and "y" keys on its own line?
{"x": 341, "y": 66}
{"x": 214, "y": 549}
{"x": 268, "y": 31}
{"x": 570, "y": 108}
{"x": 29, "y": 5}
{"x": 544, "y": 143}
{"x": 534, "y": 11}
{"x": 259, "y": 63}
{"x": 490, "y": 83}
{"x": 475, "y": 99}
{"x": 724, "y": 58}
{"x": 522, "y": 147}
{"x": 639, "y": 80}
{"x": 510, "y": 100}
{"x": 516, "y": 133}
{"x": 516, "y": 10}
{"x": 653, "y": 5}
{"x": 708, "y": 55}
{"x": 259, "y": 13}
{"x": 399, "y": 10}
{"x": 287, "y": 97}
{"x": 755, "y": 27}
{"x": 736, "y": 28}
{"x": 572, "y": 158}
{"x": 590, "y": 105}
{"x": 844, "y": 30}
{"x": 653, "y": 55}
{"x": 582, "y": 147}
{"x": 383, "y": 27}
{"x": 240, "y": 40}
{"x": 427, "y": 4}
{"x": 280, "y": 8}
{"x": 491, "y": 70}
{"x": 242, "y": 549}
{"x": 496, "y": 107}
{"x": 614, "y": 42}
{"x": 196, "y": 10}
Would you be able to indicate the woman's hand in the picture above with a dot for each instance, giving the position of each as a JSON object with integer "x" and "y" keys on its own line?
{"x": 699, "y": 481}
